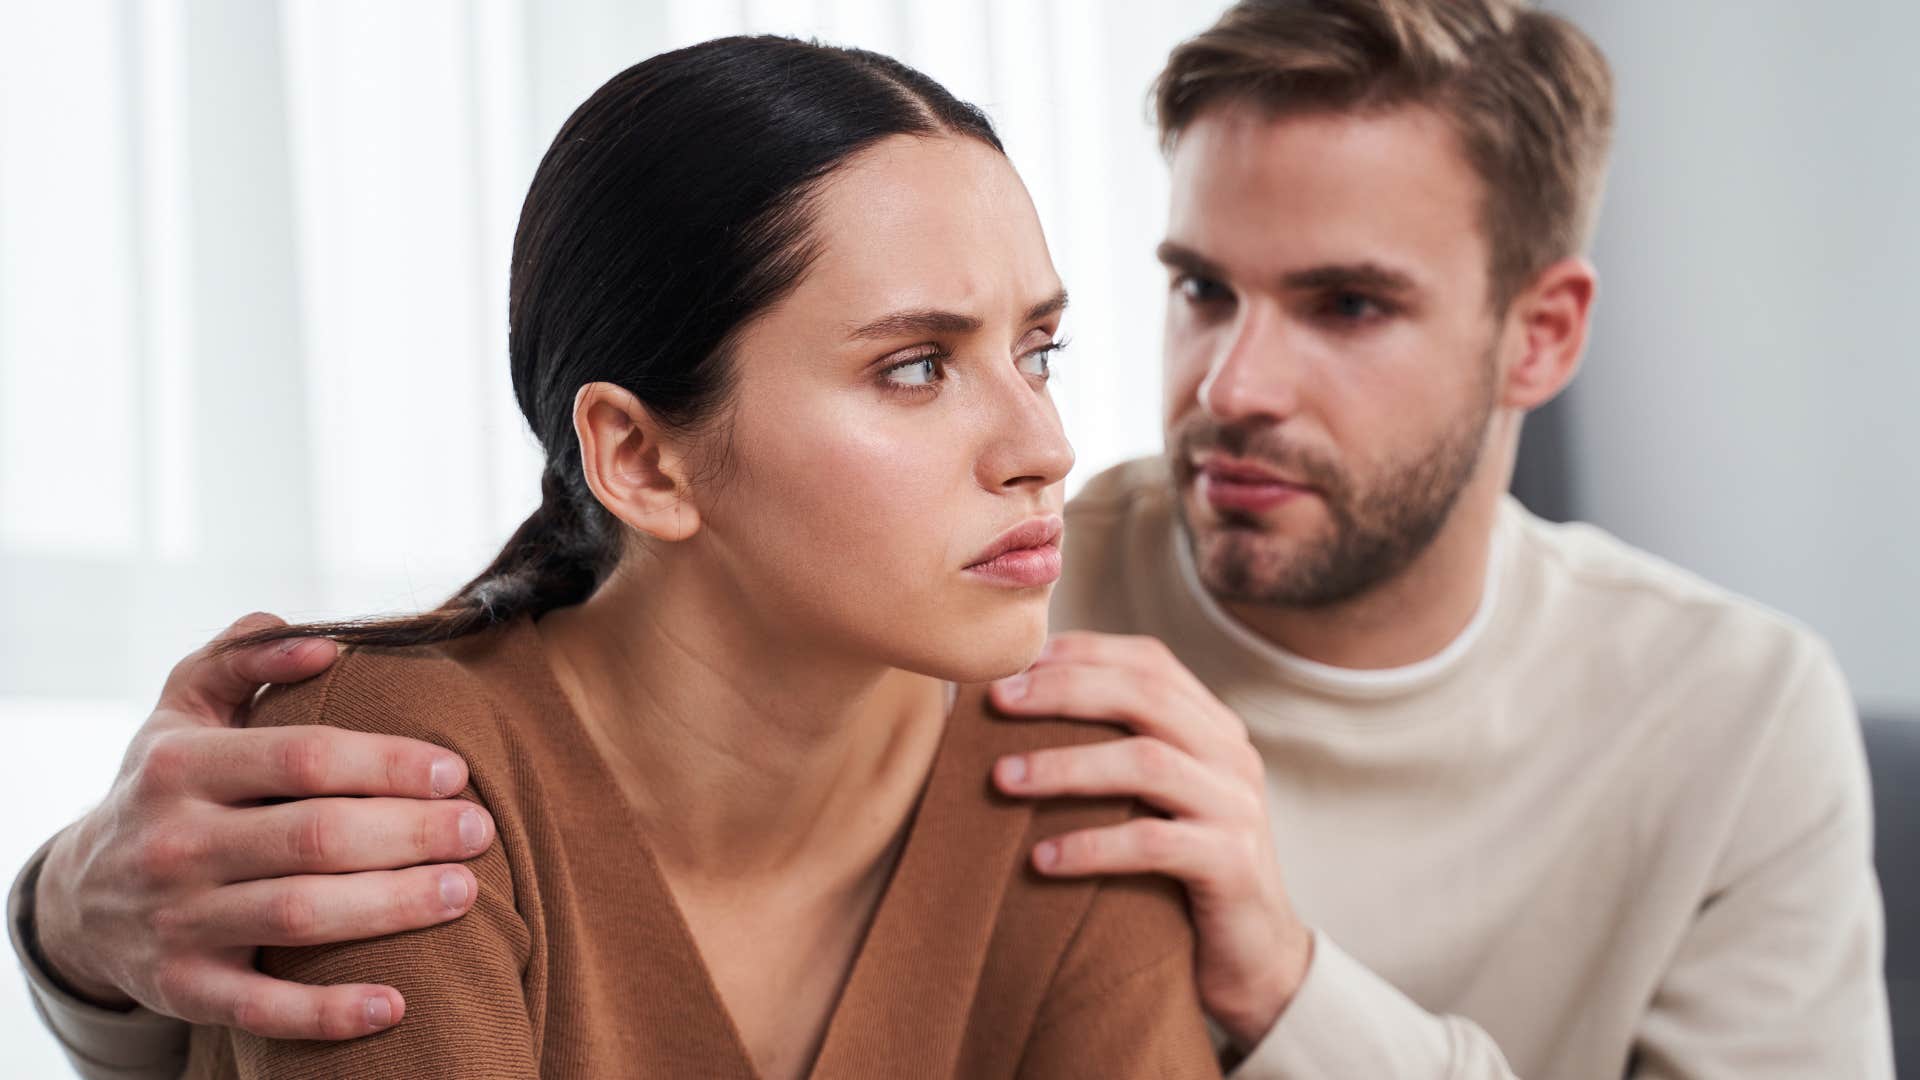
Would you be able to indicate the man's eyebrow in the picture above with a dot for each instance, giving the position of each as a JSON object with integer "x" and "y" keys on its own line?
{"x": 933, "y": 321}
{"x": 1366, "y": 275}
{"x": 1361, "y": 276}
{"x": 1180, "y": 257}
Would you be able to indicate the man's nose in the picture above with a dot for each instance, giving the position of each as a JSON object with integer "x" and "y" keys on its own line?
{"x": 1254, "y": 373}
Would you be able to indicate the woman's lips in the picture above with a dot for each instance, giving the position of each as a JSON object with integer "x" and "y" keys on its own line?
{"x": 1240, "y": 489}
{"x": 1025, "y": 556}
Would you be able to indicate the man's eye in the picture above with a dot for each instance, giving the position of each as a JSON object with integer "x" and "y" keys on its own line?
{"x": 1354, "y": 307}
{"x": 1199, "y": 290}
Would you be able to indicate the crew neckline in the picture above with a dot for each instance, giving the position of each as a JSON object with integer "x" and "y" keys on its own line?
{"x": 1343, "y": 681}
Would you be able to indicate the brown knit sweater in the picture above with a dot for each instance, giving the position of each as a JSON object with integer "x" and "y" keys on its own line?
{"x": 575, "y": 962}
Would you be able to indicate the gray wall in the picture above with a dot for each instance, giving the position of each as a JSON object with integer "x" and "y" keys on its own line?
{"x": 1747, "y": 408}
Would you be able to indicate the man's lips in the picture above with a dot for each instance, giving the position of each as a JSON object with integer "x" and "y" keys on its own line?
{"x": 1024, "y": 556}
{"x": 1244, "y": 486}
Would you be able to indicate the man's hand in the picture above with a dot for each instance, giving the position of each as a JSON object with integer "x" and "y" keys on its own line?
{"x": 1190, "y": 758}
{"x": 162, "y": 893}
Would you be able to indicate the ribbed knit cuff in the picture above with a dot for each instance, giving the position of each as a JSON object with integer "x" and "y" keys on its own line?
{"x": 1344, "y": 1022}
{"x": 102, "y": 1043}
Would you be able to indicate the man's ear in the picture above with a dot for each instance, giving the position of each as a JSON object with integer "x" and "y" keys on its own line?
{"x": 633, "y": 464}
{"x": 1549, "y": 320}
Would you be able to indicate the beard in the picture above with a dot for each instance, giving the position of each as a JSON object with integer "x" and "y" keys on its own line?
{"x": 1378, "y": 525}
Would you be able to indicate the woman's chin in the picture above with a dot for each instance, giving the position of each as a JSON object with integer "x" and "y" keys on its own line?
{"x": 996, "y": 654}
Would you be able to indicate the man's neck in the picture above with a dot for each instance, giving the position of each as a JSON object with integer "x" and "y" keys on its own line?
{"x": 744, "y": 756}
{"x": 1410, "y": 617}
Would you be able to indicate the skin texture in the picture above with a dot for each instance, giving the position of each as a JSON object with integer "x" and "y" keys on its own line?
{"x": 1328, "y": 318}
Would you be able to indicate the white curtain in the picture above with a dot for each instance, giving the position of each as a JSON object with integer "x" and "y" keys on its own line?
{"x": 253, "y": 267}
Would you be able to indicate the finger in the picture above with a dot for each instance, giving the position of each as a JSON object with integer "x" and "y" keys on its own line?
{"x": 309, "y": 759}
{"x": 1141, "y": 653}
{"x": 338, "y": 836}
{"x": 211, "y": 689}
{"x": 275, "y": 1009}
{"x": 1141, "y": 767}
{"x": 1198, "y": 724}
{"x": 1109, "y": 650}
{"x": 321, "y": 909}
{"x": 1141, "y": 846}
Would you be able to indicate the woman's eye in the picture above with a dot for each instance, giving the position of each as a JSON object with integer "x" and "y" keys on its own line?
{"x": 1039, "y": 362}
{"x": 919, "y": 372}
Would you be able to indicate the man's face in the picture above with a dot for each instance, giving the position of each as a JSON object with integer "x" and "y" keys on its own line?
{"x": 1330, "y": 346}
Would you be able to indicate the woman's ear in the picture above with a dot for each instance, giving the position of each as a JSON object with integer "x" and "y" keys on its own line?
{"x": 1550, "y": 320}
{"x": 633, "y": 464}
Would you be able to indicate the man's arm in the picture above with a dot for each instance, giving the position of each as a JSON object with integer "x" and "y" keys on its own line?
{"x": 150, "y": 906}
{"x": 1782, "y": 973}
{"x": 1289, "y": 1002}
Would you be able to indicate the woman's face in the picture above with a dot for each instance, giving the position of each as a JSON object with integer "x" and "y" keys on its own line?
{"x": 890, "y": 423}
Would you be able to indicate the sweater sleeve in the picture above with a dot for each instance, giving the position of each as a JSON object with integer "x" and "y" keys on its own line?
{"x": 101, "y": 1043}
{"x": 1347, "y": 1021}
{"x": 1780, "y": 974}
{"x": 466, "y": 1013}
{"x": 1123, "y": 1003}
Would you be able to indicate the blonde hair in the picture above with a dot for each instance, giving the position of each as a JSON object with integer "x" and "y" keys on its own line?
{"x": 1529, "y": 94}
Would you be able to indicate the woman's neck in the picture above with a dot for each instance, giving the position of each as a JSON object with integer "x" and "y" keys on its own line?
{"x": 746, "y": 756}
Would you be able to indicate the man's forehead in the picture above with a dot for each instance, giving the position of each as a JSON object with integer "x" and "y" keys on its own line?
{"x": 1385, "y": 187}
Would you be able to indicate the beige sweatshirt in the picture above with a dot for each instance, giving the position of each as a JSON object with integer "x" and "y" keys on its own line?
{"x": 1620, "y": 827}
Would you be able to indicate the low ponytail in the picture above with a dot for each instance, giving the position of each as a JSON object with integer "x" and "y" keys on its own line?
{"x": 671, "y": 209}
{"x": 555, "y": 558}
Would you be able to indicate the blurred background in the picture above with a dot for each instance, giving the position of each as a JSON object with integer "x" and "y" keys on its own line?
{"x": 253, "y": 279}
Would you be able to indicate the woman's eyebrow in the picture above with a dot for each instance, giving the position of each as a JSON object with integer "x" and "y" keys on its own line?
{"x": 935, "y": 321}
{"x": 910, "y": 323}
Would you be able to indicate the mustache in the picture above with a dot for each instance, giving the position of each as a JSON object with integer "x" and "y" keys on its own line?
{"x": 1264, "y": 443}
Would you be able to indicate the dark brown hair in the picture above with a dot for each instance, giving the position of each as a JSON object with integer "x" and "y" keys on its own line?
{"x": 1530, "y": 96}
{"x": 671, "y": 209}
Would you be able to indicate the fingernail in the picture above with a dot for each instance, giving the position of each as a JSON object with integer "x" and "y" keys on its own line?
{"x": 379, "y": 1012}
{"x": 1045, "y": 651}
{"x": 286, "y": 648}
{"x": 453, "y": 890}
{"x": 1045, "y": 854}
{"x": 446, "y": 772}
{"x": 1014, "y": 688}
{"x": 1013, "y": 769}
{"x": 473, "y": 831}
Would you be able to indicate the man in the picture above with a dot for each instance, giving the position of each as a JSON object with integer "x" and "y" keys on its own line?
{"x": 1454, "y": 793}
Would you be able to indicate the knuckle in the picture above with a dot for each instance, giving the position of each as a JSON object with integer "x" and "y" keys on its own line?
{"x": 292, "y": 916}
{"x": 1155, "y": 759}
{"x": 1079, "y": 849}
{"x": 306, "y": 760}
{"x": 311, "y": 839}
{"x": 1156, "y": 839}
{"x": 172, "y": 982}
{"x": 428, "y": 828}
{"x": 168, "y": 925}
{"x": 334, "y": 1021}
{"x": 160, "y": 855}
{"x": 162, "y": 763}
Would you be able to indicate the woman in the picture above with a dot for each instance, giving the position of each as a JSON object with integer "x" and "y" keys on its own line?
{"x": 781, "y": 317}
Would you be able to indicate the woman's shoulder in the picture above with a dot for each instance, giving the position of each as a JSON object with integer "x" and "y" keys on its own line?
{"x": 441, "y": 693}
